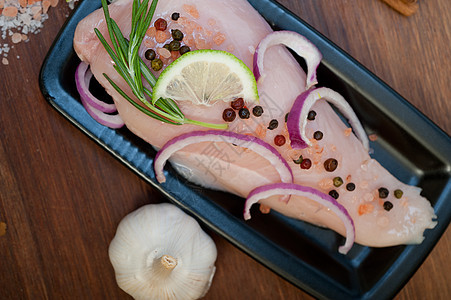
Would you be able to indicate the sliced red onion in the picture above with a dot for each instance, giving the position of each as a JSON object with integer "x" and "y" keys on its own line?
{"x": 112, "y": 121}
{"x": 298, "y": 44}
{"x": 97, "y": 109}
{"x": 297, "y": 118}
{"x": 251, "y": 142}
{"x": 269, "y": 190}
{"x": 83, "y": 76}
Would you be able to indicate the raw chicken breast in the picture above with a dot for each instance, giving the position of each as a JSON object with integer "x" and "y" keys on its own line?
{"x": 234, "y": 26}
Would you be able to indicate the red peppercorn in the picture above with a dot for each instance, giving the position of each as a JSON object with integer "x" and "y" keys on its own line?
{"x": 237, "y": 104}
{"x": 228, "y": 115}
{"x": 306, "y": 164}
{"x": 330, "y": 164}
{"x": 279, "y": 140}
{"x": 161, "y": 24}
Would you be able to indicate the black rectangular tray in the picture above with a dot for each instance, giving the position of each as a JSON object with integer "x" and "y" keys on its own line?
{"x": 301, "y": 253}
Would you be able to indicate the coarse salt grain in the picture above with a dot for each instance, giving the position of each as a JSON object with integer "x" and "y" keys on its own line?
{"x": 16, "y": 38}
{"x": 164, "y": 52}
{"x": 10, "y": 11}
{"x": 19, "y": 18}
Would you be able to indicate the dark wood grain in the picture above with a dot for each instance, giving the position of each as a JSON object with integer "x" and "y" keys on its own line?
{"x": 62, "y": 196}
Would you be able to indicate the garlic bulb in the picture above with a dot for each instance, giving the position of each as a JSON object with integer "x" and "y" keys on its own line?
{"x": 159, "y": 252}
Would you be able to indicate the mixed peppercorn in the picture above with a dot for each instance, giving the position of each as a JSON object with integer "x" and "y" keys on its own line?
{"x": 173, "y": 46}
{"x": 257, "y": 111}
{"x": 273, "y": 124}
{"x": 238, "y": 104}
{"x": 331, "y": 164}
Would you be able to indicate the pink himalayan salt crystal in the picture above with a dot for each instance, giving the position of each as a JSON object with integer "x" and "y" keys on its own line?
{"x": 16, "y": 38}
{"x": 10, "y": 11}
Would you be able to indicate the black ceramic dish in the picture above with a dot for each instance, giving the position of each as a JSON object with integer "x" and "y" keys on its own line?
{"x": 303, "y": 254}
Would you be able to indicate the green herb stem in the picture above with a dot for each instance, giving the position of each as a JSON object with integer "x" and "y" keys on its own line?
{"x": 205, "y": 124}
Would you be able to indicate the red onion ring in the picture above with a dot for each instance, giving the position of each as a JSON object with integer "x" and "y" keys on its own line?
{"x": 96, "y": 109}
{"x": 269, "y": 190}
{"x": 251, "y": 142}
{"x": 112, "y": 121}
{"x": 297, "y": 43}
{"x": 297, "y": 118}
{"x": 83, "y": 75}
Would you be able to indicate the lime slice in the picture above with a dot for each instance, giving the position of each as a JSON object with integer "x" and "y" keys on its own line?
{"x": 205, "y": 77}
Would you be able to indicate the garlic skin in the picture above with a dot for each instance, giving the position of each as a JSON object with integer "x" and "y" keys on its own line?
{"x": 160, "y": 252}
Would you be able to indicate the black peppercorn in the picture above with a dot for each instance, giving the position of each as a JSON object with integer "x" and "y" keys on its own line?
{"x": 184, "y": 49}
{"x": 257, "y": 111}
{"x": 318, "y": 135}
{"x": 150, "y": 54}
{"x": 228, "y": 115}
{"x": 383, "y": 193}
{"x": 273, "y": 124}
{"x": 330, "y": 164}
{"x": 388, "y": 205}
{"x": 175, "y": 16}
{"x": 177, "y": 35}
{"x": 174, "y": 45}
{"x": 334, "y": 194}
{"x": 167, "y": 47}
{"x": 350, "y": 186}
{"x": 244, "y": 113}
{"x": 311, "y": 115}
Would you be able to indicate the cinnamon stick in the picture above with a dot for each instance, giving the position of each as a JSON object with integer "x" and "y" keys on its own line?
{"x": 405, "y": 7}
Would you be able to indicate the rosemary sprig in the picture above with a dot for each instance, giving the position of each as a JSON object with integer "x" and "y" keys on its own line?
{"x": 130, "y": 66}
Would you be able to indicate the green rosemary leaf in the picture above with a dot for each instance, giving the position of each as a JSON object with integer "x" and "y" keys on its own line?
{"x": 106, "y": 12}
{"x": 123, "y": 43}
{"x": 137, "y": 70}
{"x": 139, "y": 107}
{"x": 140, "y": 9}
{"x": 171, "y": 105}
{"x": 122, "y": 68}
{"x": 127, "y": 79}
{"x": 164, "y": 109}
{"x": 150, "y": 78}
{"x": 165, "y": 106}
{"x": 135, "y": 7}
{"x": 148, "y": 18}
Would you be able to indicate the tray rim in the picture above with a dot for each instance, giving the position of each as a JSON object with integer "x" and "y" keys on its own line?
{"x": 384, "y": 288}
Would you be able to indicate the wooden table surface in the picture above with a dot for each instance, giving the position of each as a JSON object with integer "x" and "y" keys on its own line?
{"x": 62, "y": 196}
